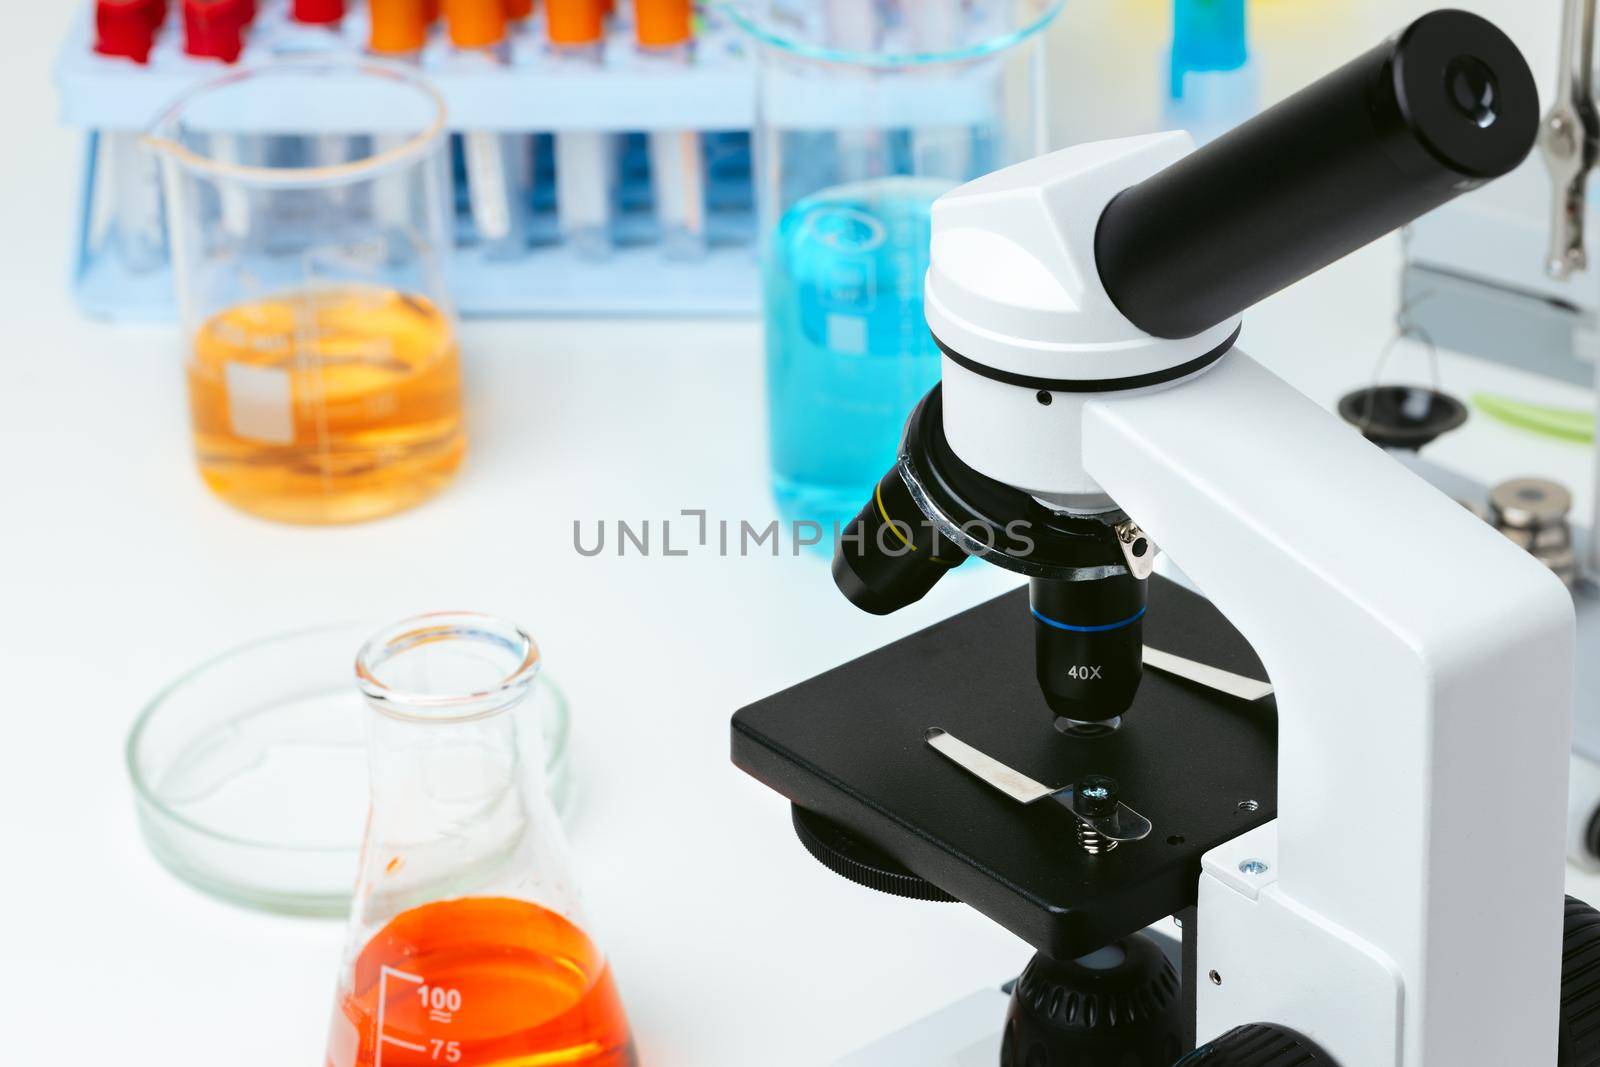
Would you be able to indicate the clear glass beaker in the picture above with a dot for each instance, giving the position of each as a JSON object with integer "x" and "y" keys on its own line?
{"x": 868, "y": 111}
{"x": 323, "y": 369}
{"x": 466, "y": 945}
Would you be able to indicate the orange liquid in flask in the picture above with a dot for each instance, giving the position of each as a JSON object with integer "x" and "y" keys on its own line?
{"x": 482, "y": 982}
{"x": 327, "y": 405}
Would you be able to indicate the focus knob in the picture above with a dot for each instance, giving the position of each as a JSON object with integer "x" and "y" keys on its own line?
{"x": 1580, "y": 986}
{"x": 1122, "y": 1005}
{"x": 1258, "y": 1045}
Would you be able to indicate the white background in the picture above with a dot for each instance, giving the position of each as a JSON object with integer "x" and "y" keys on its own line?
{"x": 733, "y": 948}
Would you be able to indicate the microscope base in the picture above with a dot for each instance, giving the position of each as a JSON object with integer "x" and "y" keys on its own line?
{"x": 964, "y": 1034}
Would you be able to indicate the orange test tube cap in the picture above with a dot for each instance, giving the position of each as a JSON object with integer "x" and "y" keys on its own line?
{"x": 475, "y": 23}
{"x": 575, "y": 21}
{"x": 399, "y": 27}
{"x": 662, "y": 23}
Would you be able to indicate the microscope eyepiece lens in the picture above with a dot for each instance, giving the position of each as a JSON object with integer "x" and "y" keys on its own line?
{"x": 1474, "y": 90}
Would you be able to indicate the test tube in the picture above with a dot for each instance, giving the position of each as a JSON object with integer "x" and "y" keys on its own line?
{"x": 214, "y": 29}
{"x": 663, "y": 33}
{"x": 519, "y": 14}
{"x": 397, "y": 31}
{"x": 127, "y": 29}
{"x": 328, "y": 150}
{"x": 1213, "y": 86}
{"x": 498, "y": 165}
{"x": 576, "y": 29}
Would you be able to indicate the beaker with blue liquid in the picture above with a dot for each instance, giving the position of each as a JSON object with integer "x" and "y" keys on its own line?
{"x": 869, "y": 111}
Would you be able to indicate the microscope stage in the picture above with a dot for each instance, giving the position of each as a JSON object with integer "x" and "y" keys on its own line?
{"x": 848, "y": 745}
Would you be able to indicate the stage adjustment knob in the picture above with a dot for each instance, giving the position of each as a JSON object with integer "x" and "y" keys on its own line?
{"x": 848, "y": 855}
{"x": 1580, "y": 986}
{"x": 1258, "y": 1045}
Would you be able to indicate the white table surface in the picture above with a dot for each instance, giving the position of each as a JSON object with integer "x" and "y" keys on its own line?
{"x": 119, "y": 570}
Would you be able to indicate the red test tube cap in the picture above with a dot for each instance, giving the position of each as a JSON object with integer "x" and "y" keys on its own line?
{"x": 124, "y": 28}
{"x": 517, "y": 10}
{"x": 214, "y": 29}
{"x": 318, "y": 12}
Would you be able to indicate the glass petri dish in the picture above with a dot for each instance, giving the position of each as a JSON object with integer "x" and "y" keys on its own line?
{"x": 250, "y": 772}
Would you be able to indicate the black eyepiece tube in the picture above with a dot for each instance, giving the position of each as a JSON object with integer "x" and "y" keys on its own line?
{"x": 1443, "y": 107}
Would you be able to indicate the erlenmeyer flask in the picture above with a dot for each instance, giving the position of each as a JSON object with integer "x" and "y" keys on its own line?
{"x": 466, "y": 945}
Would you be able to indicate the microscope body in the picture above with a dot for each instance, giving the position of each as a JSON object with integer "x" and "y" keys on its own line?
{"x": 1404, "y": 908}
{"x": 1406, "y": 904}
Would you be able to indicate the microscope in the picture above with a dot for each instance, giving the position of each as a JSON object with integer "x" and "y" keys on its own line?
{"x": 1344, "y": 770}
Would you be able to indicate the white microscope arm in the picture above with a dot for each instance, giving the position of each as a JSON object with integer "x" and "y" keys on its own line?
{"x": 1408, "y": 909}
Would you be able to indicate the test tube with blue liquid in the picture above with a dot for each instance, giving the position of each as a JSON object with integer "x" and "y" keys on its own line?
{"x": 870, "y": 111}
{"x": 1213, "y": 85}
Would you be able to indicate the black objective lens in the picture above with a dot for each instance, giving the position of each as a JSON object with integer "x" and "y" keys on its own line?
{"x": 1089, "y": 643}
{"x": 891, "y": 555}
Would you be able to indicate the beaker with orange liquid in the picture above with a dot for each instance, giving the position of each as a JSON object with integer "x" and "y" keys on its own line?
{"x": 466, "y": 944}
{"x": 323, "y": 369}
